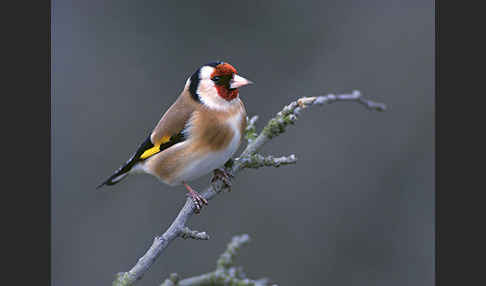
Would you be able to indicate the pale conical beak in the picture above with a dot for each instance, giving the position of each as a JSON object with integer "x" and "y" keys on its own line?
{"x": 239, "y": 81}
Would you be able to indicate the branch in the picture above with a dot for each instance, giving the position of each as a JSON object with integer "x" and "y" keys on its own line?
{"x": 247, "y": 159}
{"x": 291, "y": 112}
{"x": 225, "y": 274}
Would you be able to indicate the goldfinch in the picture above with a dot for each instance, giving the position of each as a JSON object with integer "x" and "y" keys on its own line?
{"x": 196, "y": 135}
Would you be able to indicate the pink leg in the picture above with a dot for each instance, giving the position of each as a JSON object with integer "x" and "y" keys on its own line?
{"x": 197, "y": 199}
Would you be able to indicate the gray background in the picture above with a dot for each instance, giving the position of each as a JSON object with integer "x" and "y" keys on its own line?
{"x": 357, "y": 209}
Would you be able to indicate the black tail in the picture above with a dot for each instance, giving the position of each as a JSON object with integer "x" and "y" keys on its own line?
{"x": 122, "y": 172}
{"x": 119, "y": 175}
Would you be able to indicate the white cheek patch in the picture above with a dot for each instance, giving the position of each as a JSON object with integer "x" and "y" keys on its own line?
{"x": 209, "y": 96}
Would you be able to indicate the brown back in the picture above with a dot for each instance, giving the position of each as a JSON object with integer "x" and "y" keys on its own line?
{"x": 175, "y": 118}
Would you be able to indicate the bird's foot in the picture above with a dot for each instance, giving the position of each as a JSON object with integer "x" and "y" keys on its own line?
{"x": 197, "y": 199}
{"x": 224, "y": 176}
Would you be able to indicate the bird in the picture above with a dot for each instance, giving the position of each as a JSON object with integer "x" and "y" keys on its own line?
{"x": 197, "y": 134}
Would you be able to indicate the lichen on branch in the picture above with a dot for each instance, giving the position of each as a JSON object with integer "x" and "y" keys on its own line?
{"x": 256, "y": 161}
{"x": 194, "y": 234}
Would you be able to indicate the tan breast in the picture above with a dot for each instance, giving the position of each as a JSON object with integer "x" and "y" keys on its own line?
{"x": 213, "y": 130}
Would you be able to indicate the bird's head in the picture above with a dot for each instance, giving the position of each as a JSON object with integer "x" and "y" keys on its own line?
{"x": 216, "y": 84}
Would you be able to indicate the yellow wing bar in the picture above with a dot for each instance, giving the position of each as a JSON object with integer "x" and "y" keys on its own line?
{"x": 155, "y": 149}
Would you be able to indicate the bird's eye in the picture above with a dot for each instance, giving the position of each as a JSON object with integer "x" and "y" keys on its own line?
{"x": 215, "y": 78}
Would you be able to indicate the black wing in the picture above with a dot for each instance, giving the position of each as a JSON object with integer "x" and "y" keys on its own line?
{"x": 146, "y": 145}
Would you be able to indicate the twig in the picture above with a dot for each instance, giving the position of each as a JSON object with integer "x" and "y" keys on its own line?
{"x": 194, "y": 234}
{"x": 274, "y": 127}
{"x": 256, "y": 161}
{"x": 225, "y": 274}
{"x": 250, "y": 132}
{"x": 225, "y": 260}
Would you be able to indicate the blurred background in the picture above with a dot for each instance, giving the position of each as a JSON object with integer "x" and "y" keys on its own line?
{"x": 357, "y": 208}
